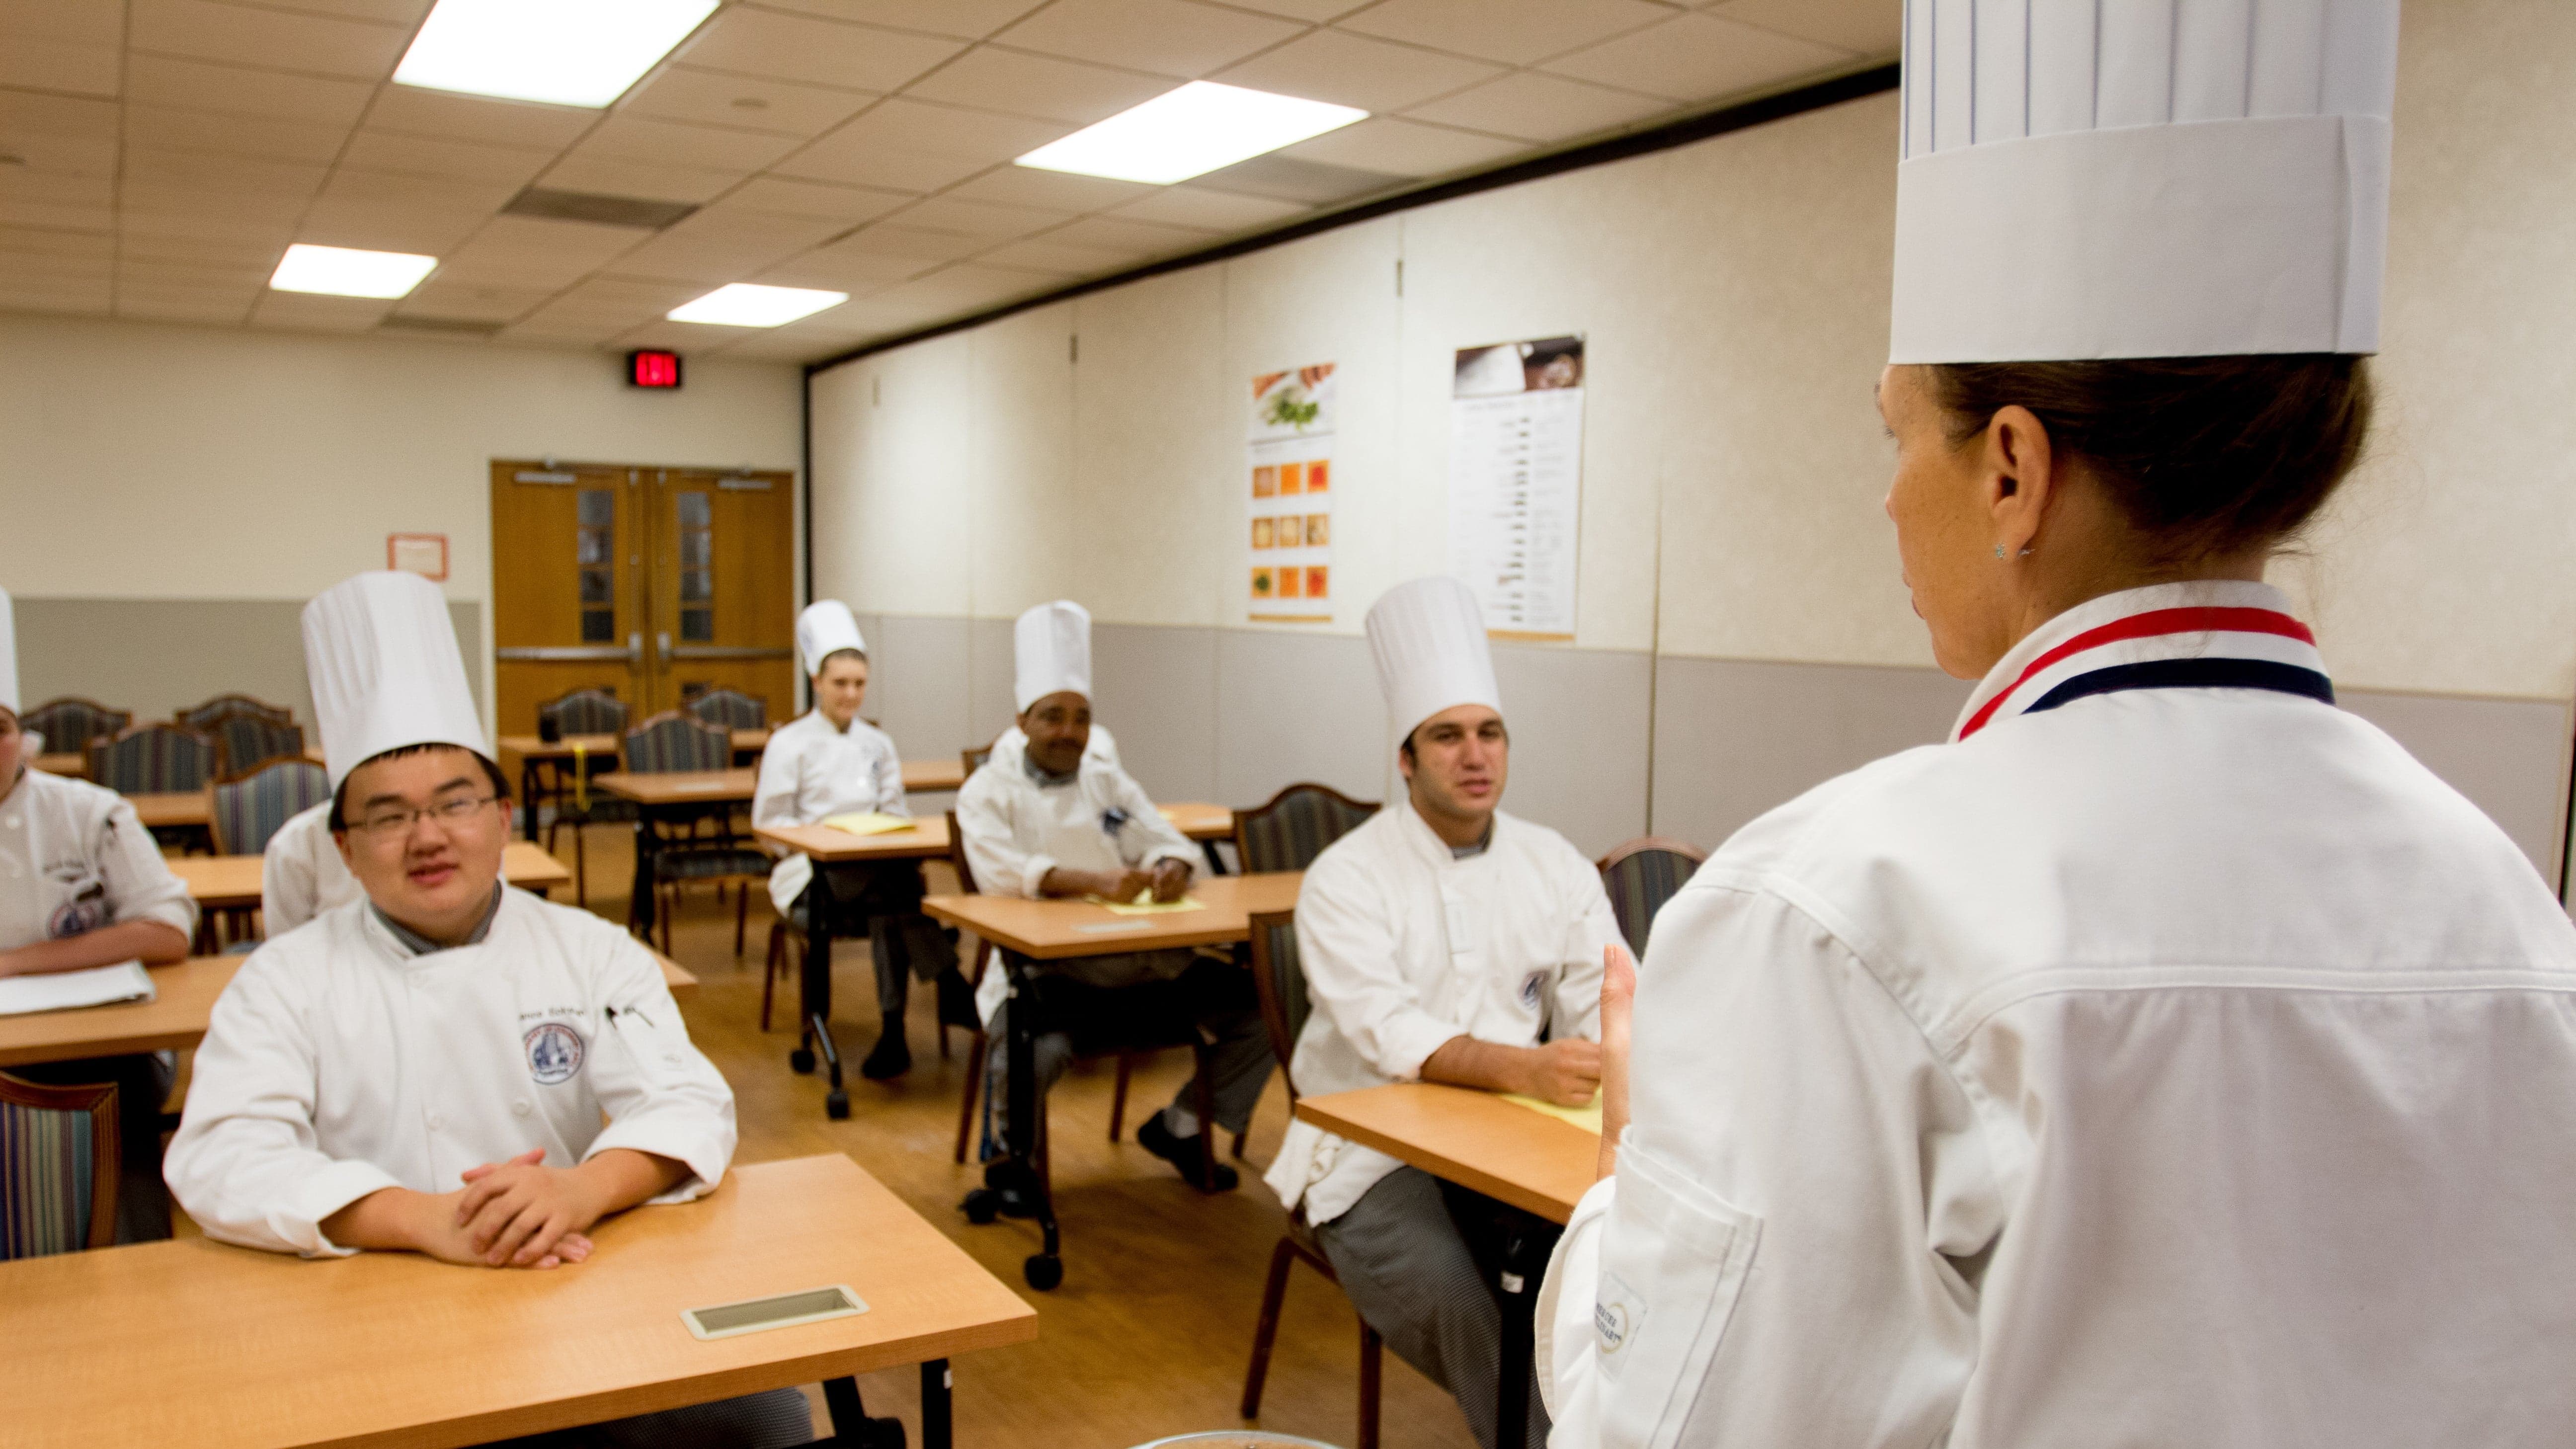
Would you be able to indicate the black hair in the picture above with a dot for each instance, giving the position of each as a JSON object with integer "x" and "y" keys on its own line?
{"x": 340, "y": 796}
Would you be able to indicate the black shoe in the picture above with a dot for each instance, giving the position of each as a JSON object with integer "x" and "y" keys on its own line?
{"x": 1183, "y": 1154}
{"x": 890, "y": 1057}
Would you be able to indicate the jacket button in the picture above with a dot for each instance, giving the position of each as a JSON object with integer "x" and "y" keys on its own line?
{"x": 520, "y": 1108}
{"x": 437, "y": 1123}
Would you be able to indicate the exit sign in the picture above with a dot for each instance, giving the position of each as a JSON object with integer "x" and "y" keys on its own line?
{"x": 653, "y": 369}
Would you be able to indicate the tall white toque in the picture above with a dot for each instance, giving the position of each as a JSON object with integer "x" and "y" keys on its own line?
{"x": 9, "y": 698}
{"x": 825, "y": 628}
{"x": 2088, "y": 179}
{"x": 382, "y": 659}
{"x": 1428, "y": 637}
{"x": 1051, "y": 645}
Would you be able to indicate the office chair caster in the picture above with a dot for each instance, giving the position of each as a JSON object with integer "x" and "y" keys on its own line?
{"x": 983, "y": 1206}
{"x": 836, "y": 1105}
{"x": 801, "y": 1061}
{"x": 1044, "y": 1271}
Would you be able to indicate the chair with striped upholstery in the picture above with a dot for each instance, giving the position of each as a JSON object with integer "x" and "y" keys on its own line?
{"x": 248, "y": 741}
{"x": 585, "y": 712}
{"x": 248, "y": 809}
{"x": 1281, "y": 980}
{"x": 231, "y": 706}
{"x": 58, "y": 1168}
{"x": 69, "y": 723}
{"x": 581, "y": 712}
{"x": 706, "y": 847}
{"x": 1640, "y": 876}
{"x": 733, "y": 710}
{"x": 154, "y": 759}
{"x": 1290, "y": 831}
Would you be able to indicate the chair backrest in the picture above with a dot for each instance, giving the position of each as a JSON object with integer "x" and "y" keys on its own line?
{"x": 587, "y": 712}
{"x": 69, "y": 724}
{"x": 248, "y": 741}
{"x": 733, "y": 710}
{"x": 672, "y": 741}
{"x": 231, "y": 706}
{"x": 250, "y": 808}
{"x": 973, "y": 757}
{"x": 1640, "y": 876}
{"x": 1281, "y": 982}
{"x": 154, "y": 759}
{"x": 1290, "y": 831}
{"x": 58, "y": 1168}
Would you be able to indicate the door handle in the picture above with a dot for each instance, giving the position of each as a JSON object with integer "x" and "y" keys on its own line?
{"x": 664, "y": 640}
{"x": 635, "y": 649}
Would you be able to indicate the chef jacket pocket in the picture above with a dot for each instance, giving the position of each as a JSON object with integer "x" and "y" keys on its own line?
{"x": 1673, "y": 1263}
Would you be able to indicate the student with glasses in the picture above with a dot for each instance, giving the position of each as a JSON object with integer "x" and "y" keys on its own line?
{"x": 446, "y": 1066}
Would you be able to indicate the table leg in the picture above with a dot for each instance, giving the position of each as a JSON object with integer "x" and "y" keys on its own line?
{"x": 528, "y": 795}
{"x": 1216, "y": 862}
{"x": 814, "y": 992}
{"x": 1521, "y": 1269}
{"x": 639, "y": 900}
{"x": 1045, "y": 1268}
{"x": 936, "y": 1381}
{"x": 851, "y": 1426}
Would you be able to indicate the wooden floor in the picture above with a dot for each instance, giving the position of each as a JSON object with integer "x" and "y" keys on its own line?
{"x": 1151, "y": 1330}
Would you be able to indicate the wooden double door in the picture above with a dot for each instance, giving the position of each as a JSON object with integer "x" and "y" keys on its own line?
{"x": 653, "y": 584}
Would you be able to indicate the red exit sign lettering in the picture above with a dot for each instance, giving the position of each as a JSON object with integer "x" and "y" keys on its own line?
{"x": 652, "y": 369}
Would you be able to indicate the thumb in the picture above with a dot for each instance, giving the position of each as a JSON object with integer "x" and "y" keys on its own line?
{"x": 1618, "y": 980}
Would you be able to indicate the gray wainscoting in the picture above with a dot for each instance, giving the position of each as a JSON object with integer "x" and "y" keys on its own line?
{"x": 158, "y": 656}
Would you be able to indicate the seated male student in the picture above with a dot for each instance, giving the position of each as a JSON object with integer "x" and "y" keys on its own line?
{"x": 82, "y": 885}
{"x": 446, "y": 1066}
{"x": 1053, "y": 820}
{"x": 1443, "y": 941}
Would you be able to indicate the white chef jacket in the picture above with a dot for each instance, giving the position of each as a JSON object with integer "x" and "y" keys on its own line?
{"x": 2169, "y": 1065}
{"x": 301, "y": 874}
{"x": 339, "y": 1063}
{"x": 1405, "y": 947}
{"x": 811, "y": 772}
{"x": 1016, "y": 830}
{"x": 73, "y": 858}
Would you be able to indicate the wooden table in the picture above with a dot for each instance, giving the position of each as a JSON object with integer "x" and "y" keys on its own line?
{"x": 232, "y": 882}
{"x": 671, "y": 796}
{"x": 66, "y": 762}
{"x": 174, "y": 811}
{"x": 193, "y": 1342}
{"x": 174, "y": 1020}
{"x": 927, "y": 839}
{"x": 928, "y": 777}
{"x": 1532, "y": 1161}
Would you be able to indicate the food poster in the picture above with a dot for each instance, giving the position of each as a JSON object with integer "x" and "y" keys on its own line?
{"x": 1516, "y": 482}
{"x": 1290, "y": 488}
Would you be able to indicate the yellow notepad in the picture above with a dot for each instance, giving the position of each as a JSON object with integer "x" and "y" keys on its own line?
{"x": 1587, "y": 1117}
{"x": 1145, "y": 905}
{"x": 868, "y": 822}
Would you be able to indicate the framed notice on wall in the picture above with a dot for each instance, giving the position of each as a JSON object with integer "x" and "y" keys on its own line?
{"x": 1289, "y": 485}
{"x": 424, "y": 554}
{"x": 1516, "y": 482}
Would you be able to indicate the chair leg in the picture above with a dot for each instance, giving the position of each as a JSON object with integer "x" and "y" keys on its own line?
{"x": 1118, "y": 1098}
{"x": 975, "y": 1051}
{"x": 769, "y": 969}
{"x": 1372, "y": 1360}
{"x": 670, "y": 907}
{"x": 1240, "y": 1138}
{"x": 1274, "y": 1294}
{"x": 580, "y": 867}
{"x": 1203, "y": 1100}
{"x": 741, "y": 910}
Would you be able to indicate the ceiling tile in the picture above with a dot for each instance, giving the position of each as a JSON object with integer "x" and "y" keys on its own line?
{"x": 1215, "y": 211}
{"x": 1129, "y": 238}
{"x": 71, "y": 22}
{"x": 723, "y": 246}
{"x": 527, "y": 251}
{"x": 1315, "y": 11}
{"x": 1169, "y": 37}
{"x": 1037, "y": 85}
{"x": 714, "y": 98}
{"x": 179, "y": 276}
{"x": 314, "y": 142}
{"x": 447, "y": 116}
{"x": 59, "y": 155}
{"x": 211, "y": 308}
{"x": 467, "y": 302}
{"x": 89, "y": 70}
{"x": 24, "y": 114}
{"x": 162, "y": 81}
{"x": 89, "y": 297}
{"x": 914, "y": 146}
{"x": 34, "y": 241}
{"x": 968, "y": 19}
{"x": 1282, "y": 177}
{"x": 1056, "y": 259}
{"x": 1054, "y": 190}
{"x": 916, "y": 243}
{"x": 245, "y": 175}
{"x": 818, "y": 52}
{"x": 244, "y": 35}
{"x": 1404, "y": 148}
{"x": 605, "y": 177}
{"x": 181, "y": 233}
{"x": 267, "y": 213}
{"x": 312, "y": 312}
{"x": 682, "y": 337}
{"x": 23, "y": 212}
{"x": 425, "y": 192}
{"x": 777, "y": 196}
{"x": 258, "y": 252}
{"x": 838, "y": 268}
{"x": 1352, "y": 70}
{"x": 615, "y": 302}
{"x": 406, "y": 13}
{"x": 1539, "y": 107}
{"x": 674, "y": 143}
{"x": 981, "y": 219}
{"x": 382, "y": 226}
{"x": 1863, "y": 27}
{"x": 395, "y": 154}
{"x": 965, "y": 287}
{"x": 1698, "y": 58}
{"x": 1515, "y": 32}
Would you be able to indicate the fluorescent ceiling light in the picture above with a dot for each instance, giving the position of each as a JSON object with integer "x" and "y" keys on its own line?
{"x": 1190, "y": 132}
{"x": 747, "y": 304}
{"x": 567, "y": 52}
{"x": 342, "y": 272}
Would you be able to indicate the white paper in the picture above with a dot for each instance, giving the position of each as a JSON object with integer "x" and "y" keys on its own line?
{"x": 1516, "y": 496}
{"x": 71, "y": 990}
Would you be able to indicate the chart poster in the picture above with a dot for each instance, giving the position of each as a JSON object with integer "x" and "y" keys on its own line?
{"x": 1289, "y": 487}
{"x": 1516, "y": 482}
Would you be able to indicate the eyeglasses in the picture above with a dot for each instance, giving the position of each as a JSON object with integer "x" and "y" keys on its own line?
{"x": 448, "y": 813}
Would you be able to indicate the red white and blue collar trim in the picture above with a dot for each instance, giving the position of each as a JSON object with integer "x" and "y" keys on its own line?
{"x": 2207, "y": 635}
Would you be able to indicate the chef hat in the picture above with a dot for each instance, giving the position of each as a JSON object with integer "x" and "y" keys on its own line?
{"x": 1052, "y": 646}
{"x": 2142, "y": 178}
{"x": 385, "y": 671}
{"x": 823, "y": 630}
{"x": 1428, "y": 637}
{"x": 9, "y": 699}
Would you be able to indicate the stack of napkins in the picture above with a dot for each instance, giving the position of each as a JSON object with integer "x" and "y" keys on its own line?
{"x": 868, "y": 822}
{"x": 70, "y": 990}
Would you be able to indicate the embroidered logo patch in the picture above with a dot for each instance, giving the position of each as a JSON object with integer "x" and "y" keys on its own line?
{"x": 554, "y": 1052}
{"x": 1530, "y": 988}
{"x": 76, "y": 918}
{"x": 1617, "y": 1313}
